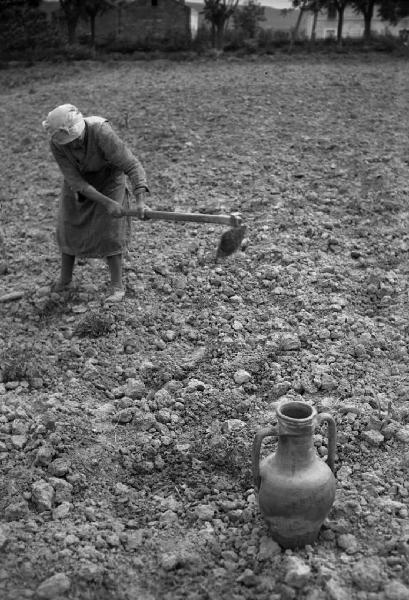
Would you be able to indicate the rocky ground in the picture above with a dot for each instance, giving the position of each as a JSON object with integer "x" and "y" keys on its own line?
{"x": 126, "y": 431}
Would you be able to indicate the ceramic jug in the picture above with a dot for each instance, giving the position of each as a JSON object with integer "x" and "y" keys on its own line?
{"x": 295, "y": 487}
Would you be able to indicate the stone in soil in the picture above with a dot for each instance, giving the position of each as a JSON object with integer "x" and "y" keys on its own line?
{"x": 90, "y": 571}
{"x": 328, "y": 383}
{"x": 247, "y": 578}
{"x": 335, "y": 591}
{"x": 396, "y": 590}
{"x": 241, "y": 376}
{"x": 372, "y": 437}
{"x": 105, "y": 411}
{"x": 44, "y": 455}
{"x": 290, "y": 342}
{"x": 172, "y": 560}
{"x": 53, "y": 587}
{"x": 62, "y": 511}
{"x": 403, "y": 435}
{"x": 59, "y": 467}
{"x": 204, "y": 512}
{"x": 3, "y": 537}
{"x": 42, "y": 494}
{"x": 135, "y": 389}
{"x": 232, "y": 425}
{"x": 367, "y": 574}
{"x": 124, "y": 416}
{"x": 143, "y": 420}
{"x": 19, "y": 441}
{"x": 134, "y": 539}
{"x": 63, "y": 489}
{"x": 195, "y": 384}
{"x": 16, "y": 510}
{"x": 348, "y": 542}
{"x": 298, "y": 572}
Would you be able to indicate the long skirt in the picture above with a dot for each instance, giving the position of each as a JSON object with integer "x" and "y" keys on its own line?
{"x": 84, "y": 227}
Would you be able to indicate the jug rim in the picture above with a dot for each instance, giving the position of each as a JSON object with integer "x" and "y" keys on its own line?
{"x": 293, "y": 405}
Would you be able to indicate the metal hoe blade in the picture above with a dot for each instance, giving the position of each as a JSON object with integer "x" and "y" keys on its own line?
{"x": 230, "y": 241}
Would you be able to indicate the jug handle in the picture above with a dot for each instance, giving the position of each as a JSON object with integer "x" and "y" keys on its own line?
{"x": 332, "y": 435}
{"x": 258, "y": 439}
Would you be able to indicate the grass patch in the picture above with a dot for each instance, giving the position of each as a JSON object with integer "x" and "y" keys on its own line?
{"x": 19, "y": 363}
{"x": 94, "y": 325}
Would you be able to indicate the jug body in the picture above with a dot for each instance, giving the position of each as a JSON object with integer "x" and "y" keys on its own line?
{"x": 296, "y": 489}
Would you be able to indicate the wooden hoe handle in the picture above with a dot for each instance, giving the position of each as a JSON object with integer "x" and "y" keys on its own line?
{"x": 233, "y": 220}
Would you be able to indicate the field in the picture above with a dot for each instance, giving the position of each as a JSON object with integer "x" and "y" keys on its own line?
{"x": 126, "y": 431}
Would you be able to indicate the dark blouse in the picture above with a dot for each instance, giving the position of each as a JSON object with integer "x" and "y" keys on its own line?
{"x": 103, "y": 148}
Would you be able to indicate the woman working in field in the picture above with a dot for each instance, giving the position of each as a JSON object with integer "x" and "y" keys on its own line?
{"x": 94, "y": 162}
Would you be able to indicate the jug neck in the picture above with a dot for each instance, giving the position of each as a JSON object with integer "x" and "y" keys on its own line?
{"x": 296, "y": 450}
{"x": 296, "y": 418}
{"x": 296, "y": 428}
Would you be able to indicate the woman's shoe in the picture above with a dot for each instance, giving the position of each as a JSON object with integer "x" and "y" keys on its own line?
{"x": 58, "y": 287}
{"x": 115, "y": 295}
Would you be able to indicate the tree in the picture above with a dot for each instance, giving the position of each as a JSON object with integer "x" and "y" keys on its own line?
{"x": 313, "y": 6}
{"x": 72, "y": 11}
{"x": 247, "y": 18}
{"x": 303, "y": 6}
{"x": 393, "y": 10}
{"x": 316, "y": 6}
{"x": 340, "y": 6}
{"x": 7, "y": 7}
{"x": 366, "y": 8}
{"x": 218, "y": 12}
{"x": 93, "y": 8}
{"x": 21, "y": 24}
{"x": 13, "y": 13}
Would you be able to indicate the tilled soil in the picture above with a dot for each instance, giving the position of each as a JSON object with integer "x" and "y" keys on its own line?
{"x": 126, "y": 430}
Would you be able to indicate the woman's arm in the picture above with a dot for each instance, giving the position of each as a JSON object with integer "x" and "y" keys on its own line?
{"x": 117, "y": 153}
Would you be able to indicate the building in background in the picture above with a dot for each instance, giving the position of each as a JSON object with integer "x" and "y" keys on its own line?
{"x": 279, "y": 15}
{"x": 353, "y": 27}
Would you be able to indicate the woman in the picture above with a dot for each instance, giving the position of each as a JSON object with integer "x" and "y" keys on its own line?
{"x": 94, "y": 162}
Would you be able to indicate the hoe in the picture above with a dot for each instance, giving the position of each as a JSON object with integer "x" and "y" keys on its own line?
{"x": 229, "y": 242}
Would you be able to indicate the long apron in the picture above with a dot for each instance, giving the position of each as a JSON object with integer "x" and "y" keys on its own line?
{"x": 84, "y": 227}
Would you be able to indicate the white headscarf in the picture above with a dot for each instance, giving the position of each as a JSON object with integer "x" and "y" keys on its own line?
{"x": 64, "y": 124}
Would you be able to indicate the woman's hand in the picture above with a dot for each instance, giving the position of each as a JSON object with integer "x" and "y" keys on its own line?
{"x": 114, "y": 209}
{"x": 140, "y": 205}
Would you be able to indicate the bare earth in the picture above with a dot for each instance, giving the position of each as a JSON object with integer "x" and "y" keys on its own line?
{"x": 126, "y": 432}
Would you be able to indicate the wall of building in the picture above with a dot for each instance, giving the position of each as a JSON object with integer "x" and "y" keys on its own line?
{"x": 275, "y": 19}
{"x": 353, "y": 26}
{"x": 279, "y": 20}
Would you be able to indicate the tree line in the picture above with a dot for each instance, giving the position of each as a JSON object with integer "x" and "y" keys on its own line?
{"x": 388, "y": 10}
{"x": 218, "y": 13}
{"x": 22, "y": 19}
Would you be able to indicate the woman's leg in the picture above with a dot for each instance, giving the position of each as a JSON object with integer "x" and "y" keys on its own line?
{"x": 67, "y": 266}
{"x": 115, "y": 269}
